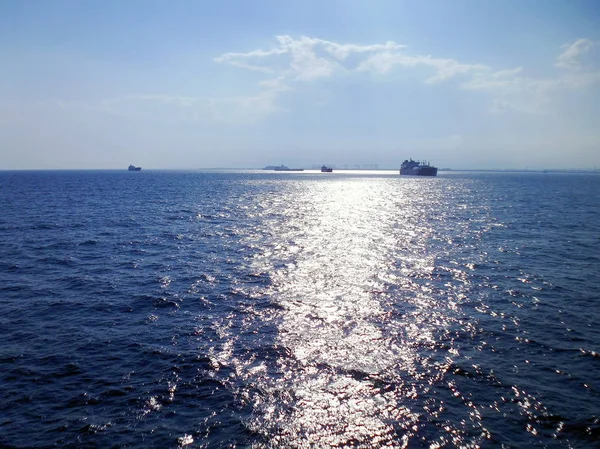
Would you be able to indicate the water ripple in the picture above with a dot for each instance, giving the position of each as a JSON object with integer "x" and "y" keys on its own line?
{"x": 297, "y": 310}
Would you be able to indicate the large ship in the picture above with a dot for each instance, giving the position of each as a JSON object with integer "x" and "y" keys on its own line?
{"x": 325, "y": 169}
{"x": 281, "y": 168}
{"x": 416, "y": 168}
{"x": 134, "y": 168}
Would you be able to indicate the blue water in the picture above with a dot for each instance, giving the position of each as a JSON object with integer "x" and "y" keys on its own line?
{"x": 263, "y": 310}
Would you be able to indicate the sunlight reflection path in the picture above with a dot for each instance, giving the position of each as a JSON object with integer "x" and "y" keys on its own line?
{"x": 337, "y": 277}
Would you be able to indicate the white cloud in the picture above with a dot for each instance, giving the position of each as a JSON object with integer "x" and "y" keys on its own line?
{"x": 570, "y": 58}
{"x": 581, "y": 80}
{"x": 242, "y": 59}
{"x": 444, "y": 68}
{"x": 342, "y": 51}
{"x": 305, "y": 64}
{"x": 511, "y": 89}
{"x": 498, "y": 80}
{"x": 449, "y": 68}
{"x": 383, "y": 62}
{"x": 305, "y": 60}
{"x": 578, "y": 73}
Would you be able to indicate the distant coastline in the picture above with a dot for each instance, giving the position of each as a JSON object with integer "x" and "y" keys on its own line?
{"x": 358, "y": 169}
{"x": 523, "y": 170}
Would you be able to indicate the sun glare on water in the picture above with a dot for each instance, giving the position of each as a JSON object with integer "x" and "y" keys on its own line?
{"x": 351, "y": 322}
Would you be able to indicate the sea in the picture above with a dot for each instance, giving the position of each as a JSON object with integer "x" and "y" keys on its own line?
{"x": 255, "y": 309}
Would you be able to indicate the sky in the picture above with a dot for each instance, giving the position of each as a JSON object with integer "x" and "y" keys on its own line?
{"x": 243, "y": 84}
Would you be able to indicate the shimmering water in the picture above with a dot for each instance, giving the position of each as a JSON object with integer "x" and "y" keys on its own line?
{"x": 297, "y": 310}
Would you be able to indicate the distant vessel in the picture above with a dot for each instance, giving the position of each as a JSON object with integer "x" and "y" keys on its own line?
{"x": 415, "y": 168}
{"x": 282, "y": 168}
{"x": 134, "y": 168}
{"x": 325, "y": 169}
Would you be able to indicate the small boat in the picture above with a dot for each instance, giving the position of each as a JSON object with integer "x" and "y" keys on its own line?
{"x": 325, "y": 169}
{"x": 134, "y": 168}
{"x": 415, "y": 168}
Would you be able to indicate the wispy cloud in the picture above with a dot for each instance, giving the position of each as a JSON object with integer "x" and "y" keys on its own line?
{"x": 308, "y": 59}
{"x": 301, "y": 61}
{"x": 570, "y": 58}
{"x": 580, "y": 59}
{"x": 443, "y": 68}
{"x": 244, "y": 60}
{"x": 511, "y": 89}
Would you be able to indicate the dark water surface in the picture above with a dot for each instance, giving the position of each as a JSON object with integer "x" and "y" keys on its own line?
{"x": 257, "y": 310}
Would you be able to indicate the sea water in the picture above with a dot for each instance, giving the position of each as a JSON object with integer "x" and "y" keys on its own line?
{"x": 259, "y": 310}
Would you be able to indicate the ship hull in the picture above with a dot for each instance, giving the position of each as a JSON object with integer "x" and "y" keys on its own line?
{"x": 419, "y": 171}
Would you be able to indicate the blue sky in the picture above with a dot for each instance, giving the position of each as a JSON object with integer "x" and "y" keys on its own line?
{"x": 464, "y": 84}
